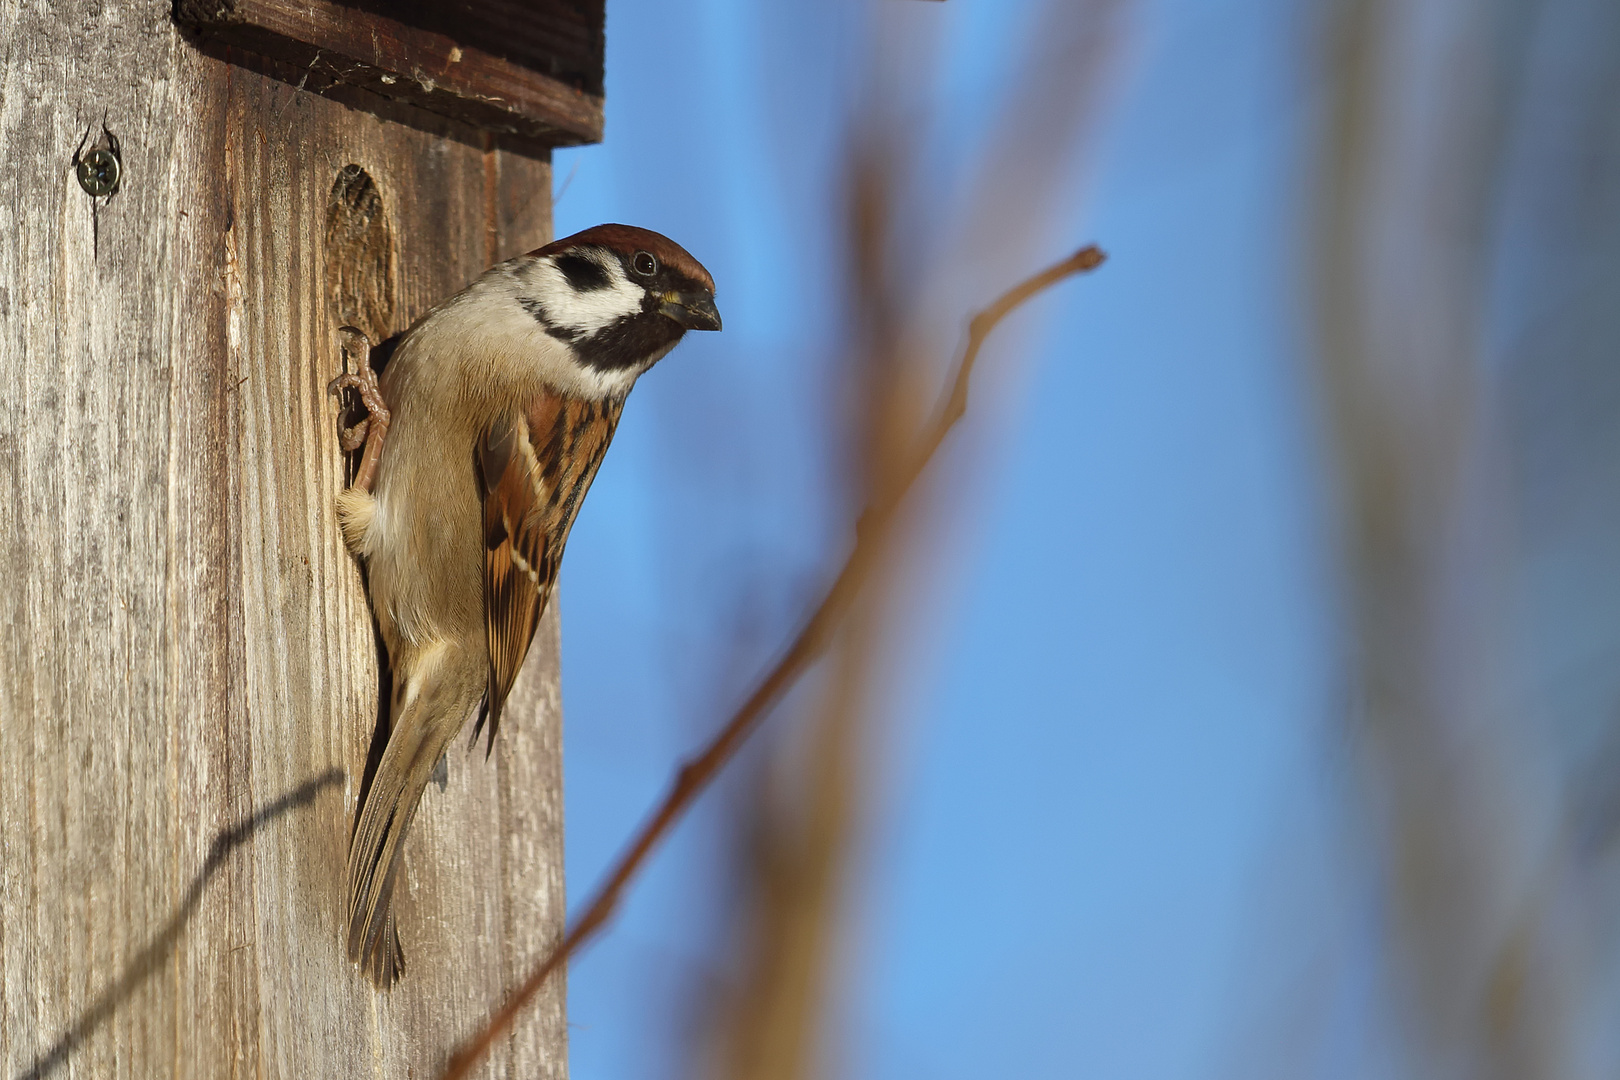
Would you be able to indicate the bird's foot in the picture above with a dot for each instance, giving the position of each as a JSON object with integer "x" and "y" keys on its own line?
{"x": 370, "y": 431}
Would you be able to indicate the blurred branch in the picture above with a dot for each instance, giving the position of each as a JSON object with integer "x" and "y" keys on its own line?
{"x": 1411, "y": 179}
{"x": 802, "y": 821}
{"x": 871, "y": 533}
{"x": 799, "y": 850}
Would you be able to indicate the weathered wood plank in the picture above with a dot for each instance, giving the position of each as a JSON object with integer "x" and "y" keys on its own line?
{"x": 426, "y": 67}
{"x": 115, "y": 620}
{"x": 183, "y": 639}
{"x": 561, "y": 38}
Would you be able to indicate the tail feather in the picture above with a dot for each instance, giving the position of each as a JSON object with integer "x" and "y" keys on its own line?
{"x": 421, "y": 731}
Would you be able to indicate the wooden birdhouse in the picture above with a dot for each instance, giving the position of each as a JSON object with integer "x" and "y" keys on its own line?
{"x": 193, "y": 197}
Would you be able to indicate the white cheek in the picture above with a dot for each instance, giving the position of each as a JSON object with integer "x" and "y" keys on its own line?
{"x": 487, "y": 324}
{"x": 528, "y": 343}
{"x": 584, "y": 312}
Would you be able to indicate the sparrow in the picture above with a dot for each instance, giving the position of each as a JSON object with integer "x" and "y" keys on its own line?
{"x": 485, "y": 430}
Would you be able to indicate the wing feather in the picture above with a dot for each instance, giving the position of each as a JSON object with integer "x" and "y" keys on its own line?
{"x": 532, "y": 488}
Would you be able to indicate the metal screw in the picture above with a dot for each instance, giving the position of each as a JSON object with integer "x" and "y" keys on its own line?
{"x": 99, "y": 172}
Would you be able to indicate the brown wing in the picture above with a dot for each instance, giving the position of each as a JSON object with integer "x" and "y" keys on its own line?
{"x": 534, "y": 470}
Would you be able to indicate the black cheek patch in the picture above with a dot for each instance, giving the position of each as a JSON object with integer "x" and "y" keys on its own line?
{"x": 585, "y": 275}
{"x": 538, "y": 312}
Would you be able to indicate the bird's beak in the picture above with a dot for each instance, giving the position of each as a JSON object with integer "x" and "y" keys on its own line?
{"x": 695, "y": 311}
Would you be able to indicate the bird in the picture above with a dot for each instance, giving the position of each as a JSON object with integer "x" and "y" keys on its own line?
{"x": 485, "y": 429}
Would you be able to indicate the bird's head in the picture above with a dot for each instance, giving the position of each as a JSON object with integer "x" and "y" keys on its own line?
{"x": 616, "y": 296}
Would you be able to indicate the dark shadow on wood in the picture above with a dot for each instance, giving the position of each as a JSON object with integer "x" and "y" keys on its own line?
{"x": 151, "y": 959}
{"x": 382, "y": 352}
{"x": 559, "y": 38}
{"x": 385, "y": 716}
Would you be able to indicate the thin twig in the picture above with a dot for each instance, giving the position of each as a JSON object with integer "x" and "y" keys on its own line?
{"x": 698, "y": 772}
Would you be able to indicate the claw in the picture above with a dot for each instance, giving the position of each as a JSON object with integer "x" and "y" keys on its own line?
{"x": 370, "y": 431}
{"x": 353, "y": 438}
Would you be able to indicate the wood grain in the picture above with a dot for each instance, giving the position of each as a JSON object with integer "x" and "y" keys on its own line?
{"x": 186, "y": 655}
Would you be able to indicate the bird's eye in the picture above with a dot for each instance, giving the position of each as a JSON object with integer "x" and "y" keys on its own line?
{"x": 644, "y": 264}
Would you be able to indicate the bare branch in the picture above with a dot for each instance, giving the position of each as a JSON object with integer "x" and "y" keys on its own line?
{"x": 698, "y": 772}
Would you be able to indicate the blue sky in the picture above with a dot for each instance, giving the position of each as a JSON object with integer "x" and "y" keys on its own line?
{"x": 1108, "y": 741}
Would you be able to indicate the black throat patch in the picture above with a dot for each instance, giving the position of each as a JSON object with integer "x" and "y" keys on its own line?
{"x": 627, "y": 342}
{"x": 632, "y": 341}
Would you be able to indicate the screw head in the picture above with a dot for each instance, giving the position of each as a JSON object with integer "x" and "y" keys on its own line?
{"x": 99, "y": 172}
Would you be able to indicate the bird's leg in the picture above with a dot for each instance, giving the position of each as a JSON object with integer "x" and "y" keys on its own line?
{"x": 371, "y": 431}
